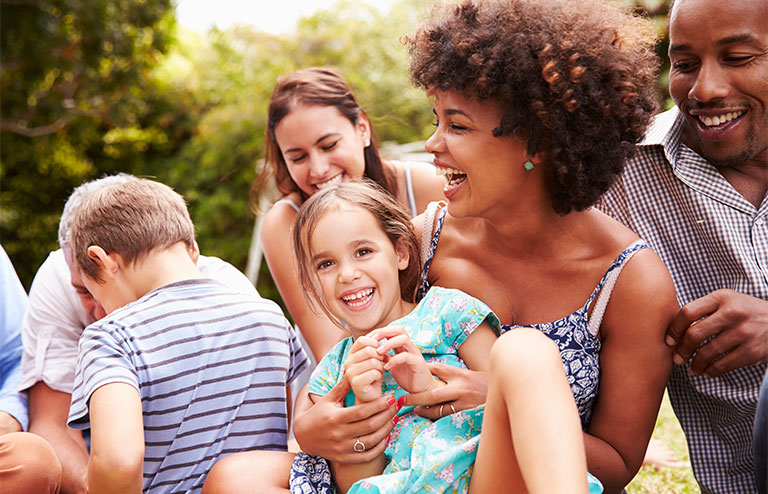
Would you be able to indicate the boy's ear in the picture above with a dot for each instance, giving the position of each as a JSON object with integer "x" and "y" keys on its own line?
{"x": 194, "y": 252}
{"x": 403, "y": 256}
{"x": 108, "y": 264}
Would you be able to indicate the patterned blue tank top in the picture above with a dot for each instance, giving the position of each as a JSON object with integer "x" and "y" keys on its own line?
{"x": 574, "y": 334}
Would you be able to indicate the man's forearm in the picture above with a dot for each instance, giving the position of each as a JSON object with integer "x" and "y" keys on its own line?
{"x": 72, "y": 453}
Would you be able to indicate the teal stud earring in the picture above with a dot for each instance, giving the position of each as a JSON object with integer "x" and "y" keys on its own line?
{"x": 528, "y": 165}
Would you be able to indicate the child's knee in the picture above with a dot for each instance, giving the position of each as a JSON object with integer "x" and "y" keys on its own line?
{"x": 524, "y": 353}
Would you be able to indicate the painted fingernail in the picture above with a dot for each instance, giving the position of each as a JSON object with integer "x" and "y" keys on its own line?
{"x": 390, "y": 400}
{"x": 395, "y": 419}
{"x": 677, "y": 359}
{"x": 669, "y": 341}
{"x": 401, "y": 402}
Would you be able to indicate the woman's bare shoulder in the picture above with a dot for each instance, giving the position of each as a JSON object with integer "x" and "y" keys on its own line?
{"x": 278, "y": 220}
{"x": 427, "y": 184}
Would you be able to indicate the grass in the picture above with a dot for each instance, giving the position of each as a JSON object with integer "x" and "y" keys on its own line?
{"x": 666, "y": 480}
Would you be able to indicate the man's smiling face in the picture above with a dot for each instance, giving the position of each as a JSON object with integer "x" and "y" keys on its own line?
{"x": 719, "y": 77}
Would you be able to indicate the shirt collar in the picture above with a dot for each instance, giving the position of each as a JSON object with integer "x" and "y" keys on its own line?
{"x": 666, "y": 131}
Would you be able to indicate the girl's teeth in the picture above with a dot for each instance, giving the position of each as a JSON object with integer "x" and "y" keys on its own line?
{"x": 720, "y": 119}
{"x": 352, "y": 299}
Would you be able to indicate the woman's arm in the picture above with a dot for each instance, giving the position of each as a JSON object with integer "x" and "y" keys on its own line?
{"x": 321, "y": 334}
{"x": 635, "y": 364}
{"x": 329, "y": 430}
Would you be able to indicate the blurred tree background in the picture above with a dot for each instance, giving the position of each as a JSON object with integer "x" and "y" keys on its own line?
{"x": 89, "y": 87}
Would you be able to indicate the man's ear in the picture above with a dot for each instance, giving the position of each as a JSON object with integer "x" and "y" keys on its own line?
{"x": 403, "y": 255}
{"x": 108, "y": 263}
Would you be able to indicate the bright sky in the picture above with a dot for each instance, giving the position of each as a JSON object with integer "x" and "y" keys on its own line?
{"x": 272, "y": 16}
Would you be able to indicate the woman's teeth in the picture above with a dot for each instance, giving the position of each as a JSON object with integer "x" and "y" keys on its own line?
{"x": 454, "y": 177}
{"x": 720, "y": 119}
{"x": 334, "y": 181}
{"x": 359, "y": 298}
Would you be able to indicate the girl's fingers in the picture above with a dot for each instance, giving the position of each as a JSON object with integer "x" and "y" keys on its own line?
{"x": 401, "y": 343}
{"x": 386, "y": 332}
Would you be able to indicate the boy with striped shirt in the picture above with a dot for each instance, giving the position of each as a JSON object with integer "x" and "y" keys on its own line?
{"x": 183, "y": 370}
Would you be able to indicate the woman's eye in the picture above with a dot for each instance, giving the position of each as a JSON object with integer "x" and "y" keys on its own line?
{"x": 329, "y": 146}
{"x": 458, "y": 127}
{"x": 298, "y": 159}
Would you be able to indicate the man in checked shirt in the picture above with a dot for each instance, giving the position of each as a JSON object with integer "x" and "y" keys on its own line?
{"x": 696, "y": 192}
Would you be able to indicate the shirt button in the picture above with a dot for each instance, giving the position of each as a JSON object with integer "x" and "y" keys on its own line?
{"x": 759, "y": 222}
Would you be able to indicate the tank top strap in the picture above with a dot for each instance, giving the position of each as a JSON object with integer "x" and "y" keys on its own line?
{"x": 409, "y": 189}
{"x": 605, "y": 287}
{"x": 429, "y": 241}
{"x": 289, "y": 202}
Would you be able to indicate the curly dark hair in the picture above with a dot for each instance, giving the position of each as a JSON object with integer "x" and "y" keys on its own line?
{"x": 576, "y": 77}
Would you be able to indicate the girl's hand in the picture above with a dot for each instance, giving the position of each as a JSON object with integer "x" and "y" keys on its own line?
{"x": 365, "y": 369}
{"x": 464, "y": 389}
{"x": 330, "y": 430}
{"x": 407, "y": 366}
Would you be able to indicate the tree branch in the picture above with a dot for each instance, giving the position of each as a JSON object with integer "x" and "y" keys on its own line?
{"x": 19, "y": 127}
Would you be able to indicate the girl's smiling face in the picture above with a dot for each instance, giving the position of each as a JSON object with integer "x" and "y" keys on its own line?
{"x": 321, "y": 147}
{"x": 357, "y": 268}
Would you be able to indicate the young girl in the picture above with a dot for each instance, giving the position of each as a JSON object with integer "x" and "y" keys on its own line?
{"x": 359, "y": 262}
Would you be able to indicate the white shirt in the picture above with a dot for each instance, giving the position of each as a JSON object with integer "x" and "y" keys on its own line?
{"x": 55, "y": 319}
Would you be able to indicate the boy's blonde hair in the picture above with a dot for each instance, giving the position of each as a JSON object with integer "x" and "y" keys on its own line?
{"x": 131, "y": 219}
{"x": 368, "y": 196}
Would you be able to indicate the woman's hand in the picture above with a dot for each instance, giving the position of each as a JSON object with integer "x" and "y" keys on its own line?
{"x": 464, "y": 389}
{"x": 407, "y": 365}
{"x": 330, "y": 430}
{"x": 364, "y": 369}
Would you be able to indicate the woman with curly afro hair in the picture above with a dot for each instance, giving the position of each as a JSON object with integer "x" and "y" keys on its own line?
{"x": 537, "y": 105}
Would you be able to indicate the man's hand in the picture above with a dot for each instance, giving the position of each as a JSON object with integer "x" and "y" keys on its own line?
{"x": 734, "y": 326}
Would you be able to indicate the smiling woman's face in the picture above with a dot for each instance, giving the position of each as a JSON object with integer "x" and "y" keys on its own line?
{"x": 321, "y": 147}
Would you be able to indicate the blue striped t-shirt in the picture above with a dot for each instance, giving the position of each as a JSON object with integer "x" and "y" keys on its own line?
{"x": 211, "y": 367}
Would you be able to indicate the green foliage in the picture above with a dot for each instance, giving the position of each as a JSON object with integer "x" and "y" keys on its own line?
{"x": 78, "y": 101}
{"x": 98, "y": 86}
